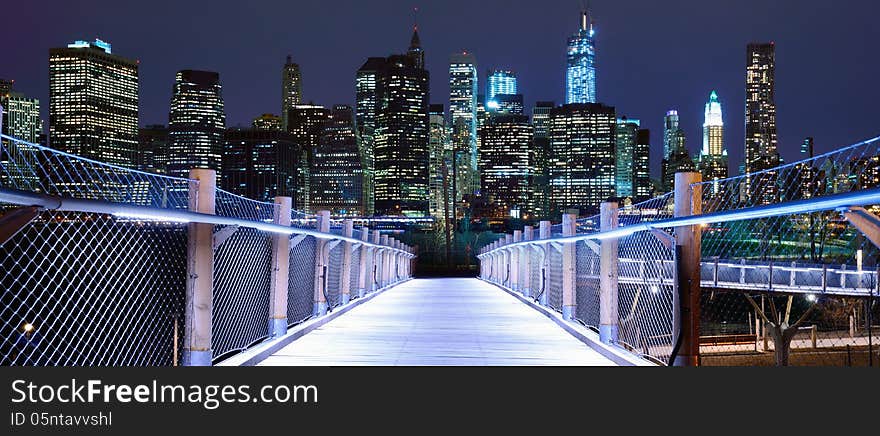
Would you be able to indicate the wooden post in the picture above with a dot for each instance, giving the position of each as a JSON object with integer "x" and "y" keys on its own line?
{"x": 199, "y": 304}
{"x": 526, "y": 263}
{"x": 608, "y": 268}
{"x": 280, "y": 271}
{"x": 569, "y": 269}
{"x": 345, "y": 279}
{"x": 544, "y": 233}
{"x": 686, "y": 302}
{"x": 364, "y": 263}
{"x": 321, "y": 264}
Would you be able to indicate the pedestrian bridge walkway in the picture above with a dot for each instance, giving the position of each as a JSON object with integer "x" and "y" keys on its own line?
{"x": 452, "y": 321}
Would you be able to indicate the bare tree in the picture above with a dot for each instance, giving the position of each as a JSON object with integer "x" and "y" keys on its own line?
{"x": 779, "y": 328}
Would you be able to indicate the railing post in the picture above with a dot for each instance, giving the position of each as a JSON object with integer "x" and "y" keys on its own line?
{"x": 609, "y": 316}
{"x": 200, "y": 272}
{"x": 544, "y": 231}
{"x": 375, "y": 261}
{"x": 569, "y": 268}
{"x": 320, "y": 264}
{"x": 364, "y": 263}
{"x": 506, "y": 259}
{"x": 280, "y": 271}
{"x": 345, "y": 279}
{"x": 686, "y": 302}
{"x": 516, "y": 255}
{"x": 386, "y": 260}
{"x": 526, "y": 262}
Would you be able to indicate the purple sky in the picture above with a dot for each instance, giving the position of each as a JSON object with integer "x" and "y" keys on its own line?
{"x": 651, "y": 55}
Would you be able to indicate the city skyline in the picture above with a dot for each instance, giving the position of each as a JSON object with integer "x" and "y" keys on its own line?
{"x": 625, "y": 55}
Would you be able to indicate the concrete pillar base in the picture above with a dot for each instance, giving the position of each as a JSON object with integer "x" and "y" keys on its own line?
{"x": 277, "y": 327}
{"x": 320, "y": 308}
{"x": 543, "y": 299}
{"x": 346, "y": 298}
{"x": 527, "y": 292}
{"x": 197, "y": 358}
{"x": 568, "y": 313}
{"x": 608, "y": 334}
{"x": 361, "y": 292}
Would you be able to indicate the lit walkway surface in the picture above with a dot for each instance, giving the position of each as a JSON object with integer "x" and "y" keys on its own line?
{"x": 439, "y": 322}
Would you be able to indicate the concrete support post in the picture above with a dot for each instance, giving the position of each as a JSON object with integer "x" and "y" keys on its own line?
{"x": 199, "y": 303}
{"x": 375, "y": 261}
{"x": 526, "y": 263}
{"x": 280, "y": 271}
{"x": 544, "y": 233}
{"x": 686, "y": 302}
{"x": 321, "y": 256}
{"x": 569, "y": 269}
{"x": 386, "y": 260}
{"x": 609, "y": 316}
{"x": 515, "y": 256}
{"x": 505, "y": 259}
{"x": 364, "y": 267}
{"x": 347, "y": 247}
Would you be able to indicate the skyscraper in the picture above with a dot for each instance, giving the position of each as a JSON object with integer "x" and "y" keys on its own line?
{"x": 415, "y": 51}
{"x": 20, "y": 119}
{"x": 642, "y": 188}
{"x": 291, "y": 89}
{"x": 153, "y": 149}
{"x": 196, "y": 123}
{"x": 541, "y": 146}
{"x": 761, "y": 152}
{"x": 507, "y": 103}
{"x": 305, "y": 123}
{"x": 258, "y": 163}
{"x": 401, "y": 140}
{"x": 582, "y": 170}
{"x": 439, "y": 149}
{"x": 626, "y": 137}
{"x": 463, "y": 91}
{"x": 93, "y": 102}
{"x": 21, "y": 116}
{"x": 670, "y": 132}
{"x": 506, "y": 168}
{"x": 369, "y": 89}
{"x": 336, "y": 175}
{"x": 675, "y": 154}
{"x": 713, "y": 155}
{"x": 580, "y": 72}
{"x": 499, "y": 82}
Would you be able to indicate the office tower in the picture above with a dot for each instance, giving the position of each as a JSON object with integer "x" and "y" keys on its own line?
{"x": 580, "y": 71}
{"x": 258, "y": 163}
{"x": 807, "y": 179}
{"x": 679, "y": 160}
{"x": 463, "y": 114}
{"x": 713, "y": 155}
{"x": 20, "y": 119}
{"x": 336, "y": 175}
{"x": 196, "y": 123}
{"x": 670, "y": 132}
{"x": 401, "y": 140}
{"x": 415, "y": 51}
{"x": 268, "y": 122}
{"x": 21, "y": 116}
{"x": 761, "y": 152}
{"x": 506, "y": 165}
{"x": 582, "y": 170}
{"x": 499, "y": 82}
{"x": 642, "y": 188}
{"x": 291, "y": 89}
{"x": 370, "y": 78}
{"x": 541, "y": 145}
{"x": 93, "y": 102}
{"x": 439, "y": 149}
{"x": 153, "y": 149}
{"x": 507, "y": 104}
{"x": 305, "y": 123}
{"x": 626, "y": 137}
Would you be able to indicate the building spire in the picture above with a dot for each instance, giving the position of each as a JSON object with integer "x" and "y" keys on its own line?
{"x": 415, "y": 44}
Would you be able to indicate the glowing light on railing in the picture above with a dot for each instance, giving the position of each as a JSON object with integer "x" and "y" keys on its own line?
{"x": 811, "y": 297}
{"x": 151, "y": 217}
{"x": 27, "y": 327}
{"x": 655, "y": 289}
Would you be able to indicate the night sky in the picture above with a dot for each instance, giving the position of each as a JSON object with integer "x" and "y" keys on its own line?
{"x": 651, "y": 55}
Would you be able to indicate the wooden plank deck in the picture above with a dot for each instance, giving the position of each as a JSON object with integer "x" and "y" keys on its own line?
{"x": 456, "y": 321}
